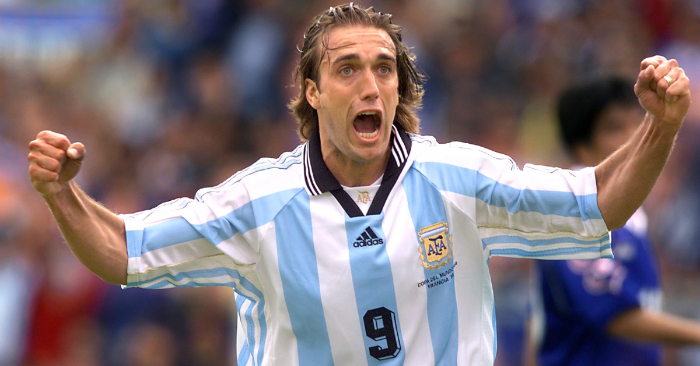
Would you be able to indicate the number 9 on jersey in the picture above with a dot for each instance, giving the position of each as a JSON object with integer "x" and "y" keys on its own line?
{"x": 380, "y": 325}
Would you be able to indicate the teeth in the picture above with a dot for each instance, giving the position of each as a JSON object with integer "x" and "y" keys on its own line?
{"x": 368, "y": 135}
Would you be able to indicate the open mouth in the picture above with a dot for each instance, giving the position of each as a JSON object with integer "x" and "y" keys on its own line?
{"x": 367, "y": 124}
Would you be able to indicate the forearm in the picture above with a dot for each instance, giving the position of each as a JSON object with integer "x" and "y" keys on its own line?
{"x": 95, "y": 235}
{"x": 625, "y": 178}
{"x": 644, "y": 325}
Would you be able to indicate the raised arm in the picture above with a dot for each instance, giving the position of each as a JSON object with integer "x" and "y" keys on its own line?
{"x": 95, "y": 235}
{"x": 626, "y": 177}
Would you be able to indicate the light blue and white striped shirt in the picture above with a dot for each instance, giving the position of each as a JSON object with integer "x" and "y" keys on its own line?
{"x": 320, "y": 283}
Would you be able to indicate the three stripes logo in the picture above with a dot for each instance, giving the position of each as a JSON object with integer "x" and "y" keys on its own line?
{"x": 368, "y": 238}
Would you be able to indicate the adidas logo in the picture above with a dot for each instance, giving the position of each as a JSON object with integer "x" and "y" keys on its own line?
{"x": 368, "y": 238}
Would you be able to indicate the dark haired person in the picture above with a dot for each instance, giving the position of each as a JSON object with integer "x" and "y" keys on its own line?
{"x": 367, "y": 244}
{"x": 604, "y": 311}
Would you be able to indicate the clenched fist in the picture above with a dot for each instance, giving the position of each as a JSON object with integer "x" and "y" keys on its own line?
{"x": 53, "y": 162}
{"x": 663, "y": 90}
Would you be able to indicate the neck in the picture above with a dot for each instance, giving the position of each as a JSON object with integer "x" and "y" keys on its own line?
{"x": 352, "y": 173}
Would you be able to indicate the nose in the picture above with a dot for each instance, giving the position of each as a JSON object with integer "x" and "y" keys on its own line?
{"x": 369, "y": 87}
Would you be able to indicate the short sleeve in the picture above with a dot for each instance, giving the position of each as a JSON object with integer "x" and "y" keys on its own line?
{"x": 541, "y": 212}
{"x": 179, "y": 244}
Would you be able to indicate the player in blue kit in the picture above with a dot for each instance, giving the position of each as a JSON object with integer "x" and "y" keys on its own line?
{"x": 604, "y": 311}
{"x": 368, "y": 244}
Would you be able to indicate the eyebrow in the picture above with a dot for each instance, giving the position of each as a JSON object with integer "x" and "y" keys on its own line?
{"x": 353, "y": 56}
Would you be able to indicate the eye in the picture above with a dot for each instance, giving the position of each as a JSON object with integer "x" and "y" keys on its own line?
{"x": 384, "y": 69}
{"x": 346, "y": 71}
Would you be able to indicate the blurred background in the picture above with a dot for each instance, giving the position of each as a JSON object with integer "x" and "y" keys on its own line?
{"x": 173, "y": 95}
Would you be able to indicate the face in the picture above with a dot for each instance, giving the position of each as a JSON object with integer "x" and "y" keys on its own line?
{"x": 614, "y": 127}
{"x": 356, "y": 97}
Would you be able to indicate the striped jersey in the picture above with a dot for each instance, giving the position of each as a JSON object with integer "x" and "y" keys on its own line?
{"x": 320, "y": 282}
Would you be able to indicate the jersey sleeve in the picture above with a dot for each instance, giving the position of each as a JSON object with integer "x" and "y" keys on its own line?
{"x": 191, "y": 242}
{"x": 537, "y": 212}
{"x": 540, "y": 212}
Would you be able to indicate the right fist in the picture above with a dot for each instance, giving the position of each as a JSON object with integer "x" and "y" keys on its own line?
{"x": 53, "y": 162}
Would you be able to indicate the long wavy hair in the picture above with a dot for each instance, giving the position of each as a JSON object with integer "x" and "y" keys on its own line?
{"x": 411, "y": 78}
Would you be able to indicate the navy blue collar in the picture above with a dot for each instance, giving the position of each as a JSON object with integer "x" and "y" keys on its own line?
{"x": 320, "y": 180}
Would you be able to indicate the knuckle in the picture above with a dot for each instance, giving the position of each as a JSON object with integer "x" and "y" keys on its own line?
{"x": 34, "y": 172}
{"x": 53, "y": 165}
{"x": 53, "y": 138}
{"x": 45, "y": 134}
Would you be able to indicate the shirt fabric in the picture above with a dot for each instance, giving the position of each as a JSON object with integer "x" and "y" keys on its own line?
{"x": 364, "y": 195}
{"x": 577, "y": 300}
{"x": 318, "y": 282}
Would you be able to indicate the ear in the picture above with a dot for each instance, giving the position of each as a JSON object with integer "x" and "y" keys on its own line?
{"x": 312, "y": 94}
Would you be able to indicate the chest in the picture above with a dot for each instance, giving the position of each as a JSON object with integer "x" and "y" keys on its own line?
{"x": 414, "y": 244}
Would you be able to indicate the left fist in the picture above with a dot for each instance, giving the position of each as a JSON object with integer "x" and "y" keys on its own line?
{"x": 663, "y": 90}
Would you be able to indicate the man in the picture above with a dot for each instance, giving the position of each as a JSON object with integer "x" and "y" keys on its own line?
{"x": 400, "y": 277}
{"x": 604, "y": 311}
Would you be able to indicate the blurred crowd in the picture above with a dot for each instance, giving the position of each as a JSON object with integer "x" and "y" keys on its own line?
{"x": 174, "y": 95}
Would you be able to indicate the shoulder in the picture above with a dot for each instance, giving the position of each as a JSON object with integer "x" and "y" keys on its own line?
{"x": 463, "y": 154}
{"x": 265, "y": 176}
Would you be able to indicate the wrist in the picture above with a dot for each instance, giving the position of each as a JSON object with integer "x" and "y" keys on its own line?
{"x": 659, "y": 129}
{"x": 66, "y": 193}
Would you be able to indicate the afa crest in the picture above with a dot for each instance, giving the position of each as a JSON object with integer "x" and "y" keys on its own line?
{"x": 363, "y": 197}
{"x": 436, "y": 245}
